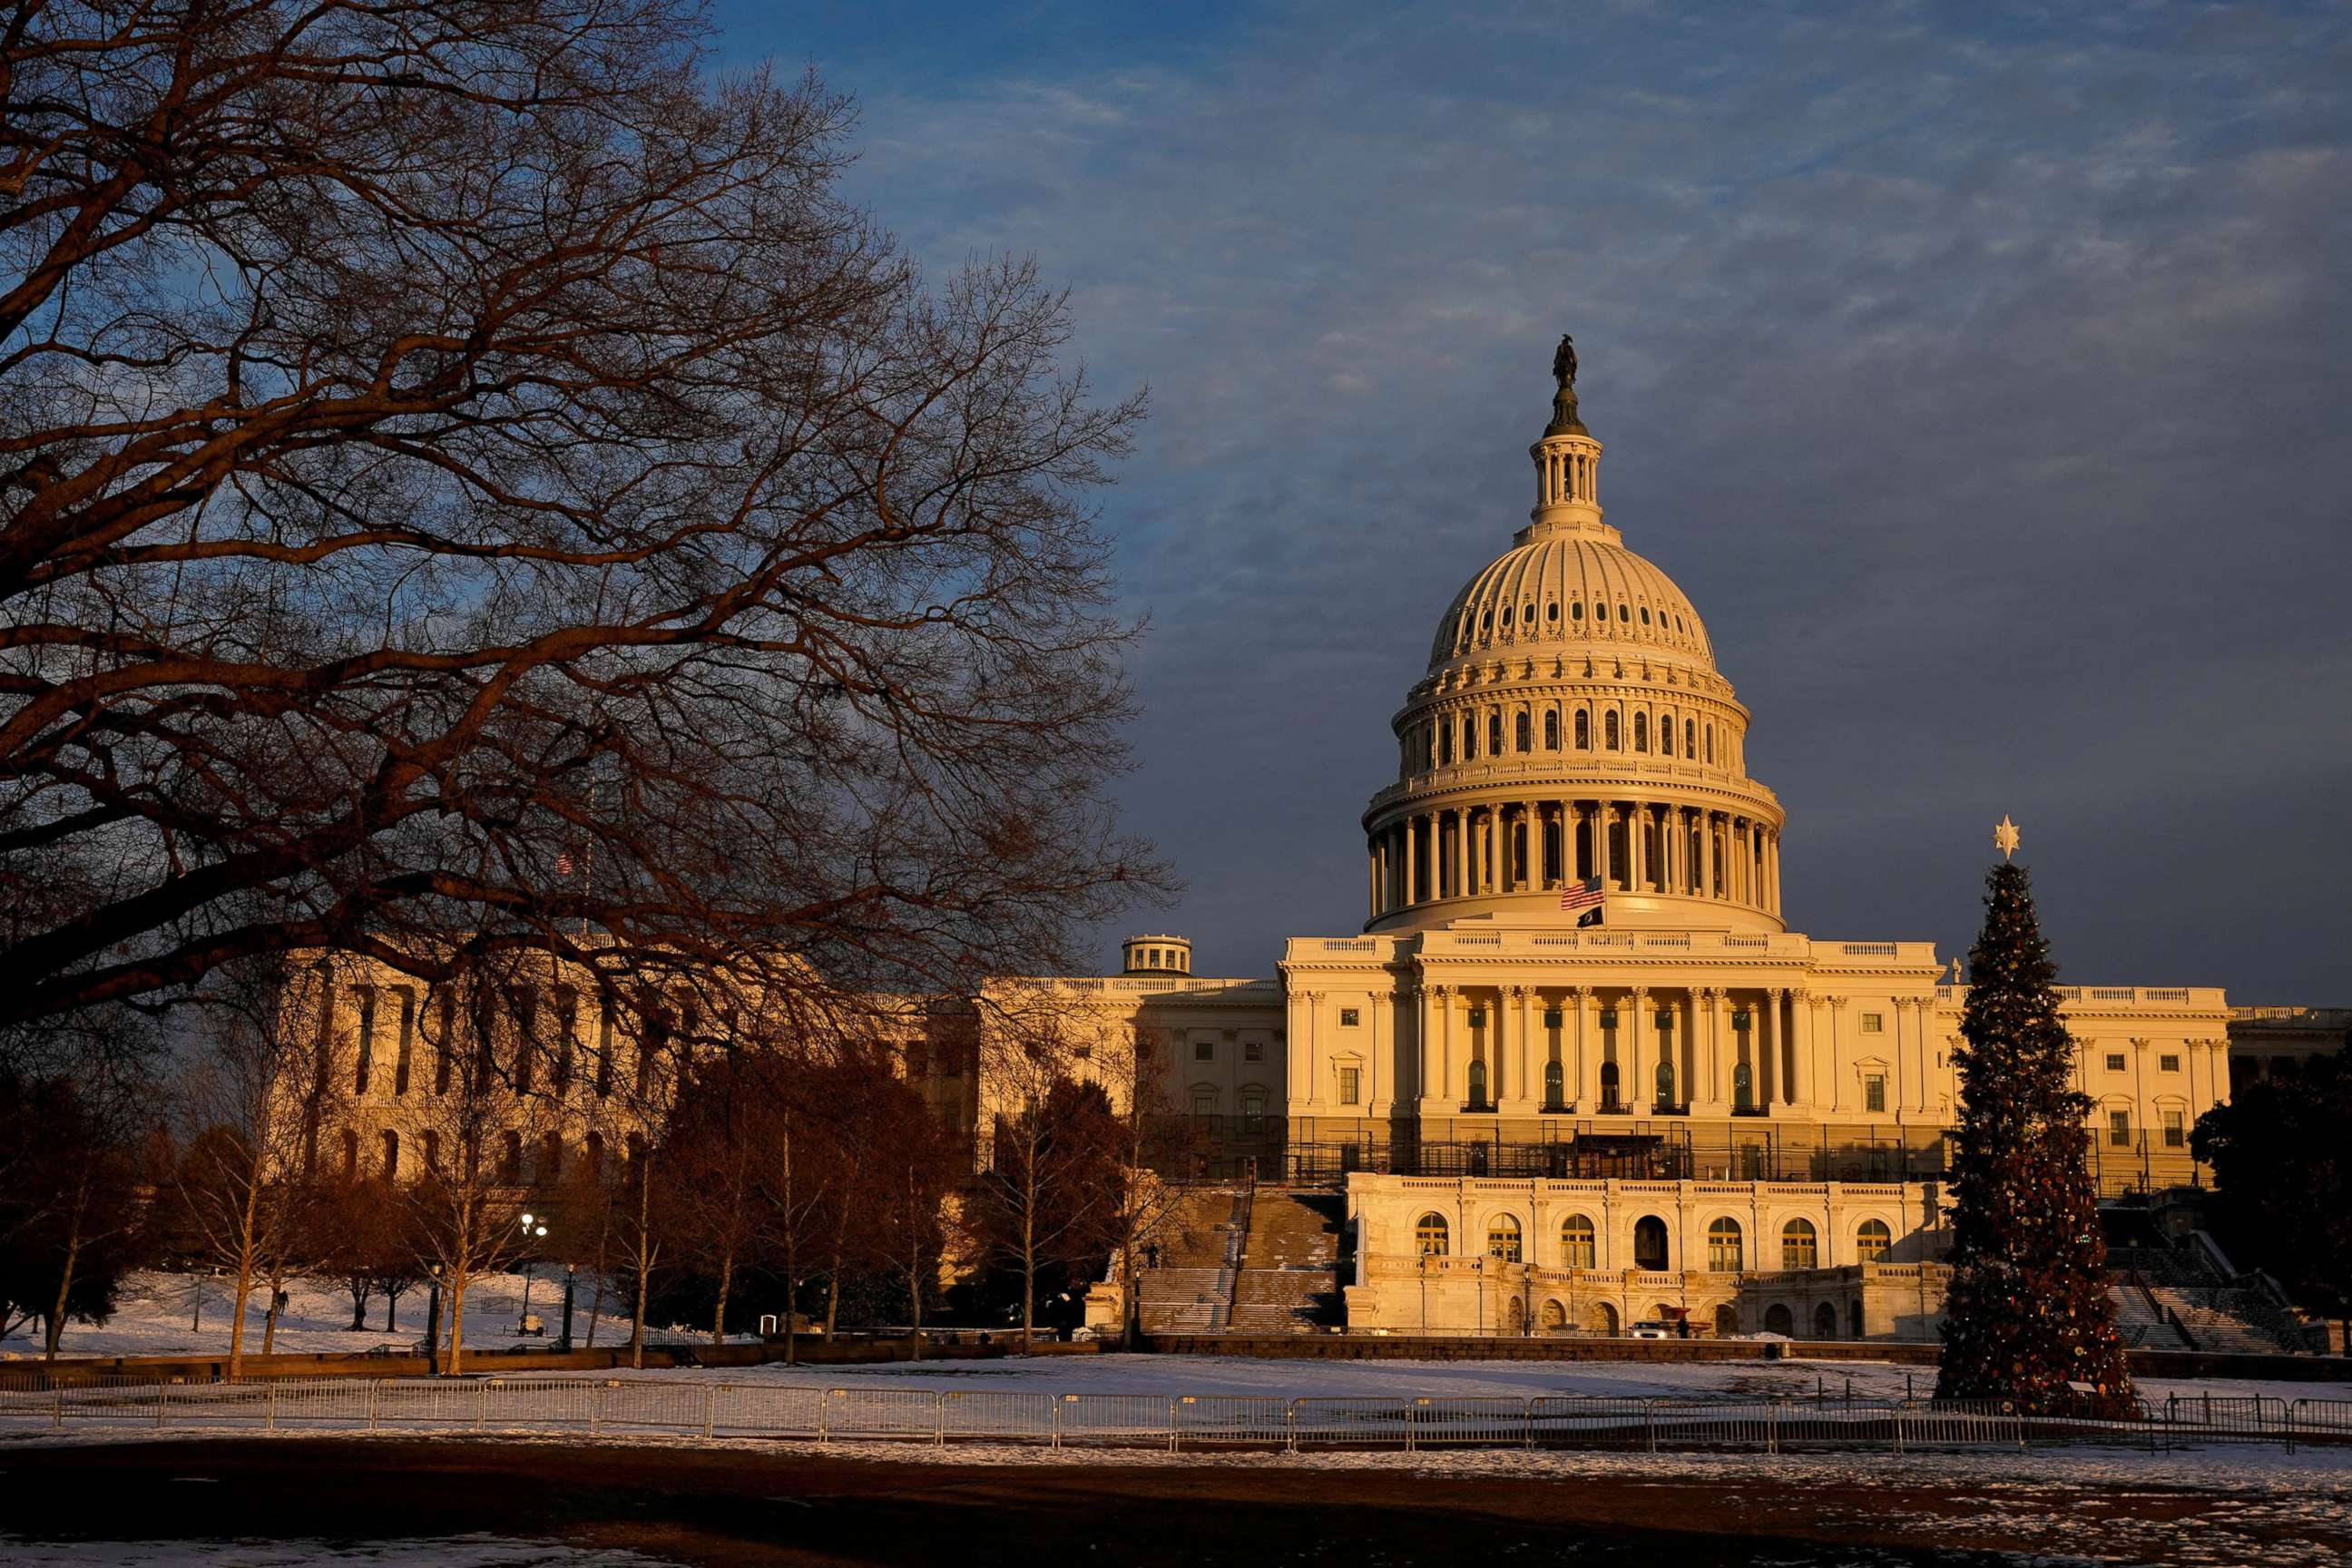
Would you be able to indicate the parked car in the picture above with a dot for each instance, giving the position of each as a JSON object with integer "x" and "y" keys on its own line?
{"x": 1651, "y": 1331}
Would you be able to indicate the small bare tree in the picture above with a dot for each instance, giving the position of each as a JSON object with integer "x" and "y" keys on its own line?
{"x": 474, "y": 1134}
{"x": 1052, "y": 1186}
{"x": 1152, "y": 1139}
{"x": 261, "y": 1095}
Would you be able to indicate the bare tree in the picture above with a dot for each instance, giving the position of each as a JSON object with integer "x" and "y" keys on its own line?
{"x": 1153, "y": 1138}
{"x": 259, "y": 1098}
{"x": 1052, "y": 1186}
{"x": 473, "y": 1134}
{"x": 470, "y": 483}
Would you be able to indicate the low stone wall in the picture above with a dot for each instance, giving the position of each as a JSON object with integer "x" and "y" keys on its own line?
{"x": 2281, "y": 1368}
{"x": 1438, "y": 1347}
{"x": 810, "y": 1351}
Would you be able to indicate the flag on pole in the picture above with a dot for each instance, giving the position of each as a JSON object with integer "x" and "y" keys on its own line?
{"x": 1585, "y": 898}
{"x": 564, "y": 864}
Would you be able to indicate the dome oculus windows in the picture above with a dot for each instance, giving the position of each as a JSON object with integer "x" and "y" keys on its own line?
{"x": 1576, "y": 611}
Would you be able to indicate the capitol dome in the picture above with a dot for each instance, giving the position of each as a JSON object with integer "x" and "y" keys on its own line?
{"x": 1572, "y": 725}
{"x": 1579, "y": 592}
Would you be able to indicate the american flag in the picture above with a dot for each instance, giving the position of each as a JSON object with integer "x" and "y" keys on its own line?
{"x": 1584, "y": 895}
{"x": 564, "y": 864}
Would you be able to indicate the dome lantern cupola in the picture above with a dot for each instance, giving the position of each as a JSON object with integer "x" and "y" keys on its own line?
{"x": 1568, "y": 464}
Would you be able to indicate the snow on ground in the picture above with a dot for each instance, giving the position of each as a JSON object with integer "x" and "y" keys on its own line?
{"x": 160, "y": 1315}
{"x": 448, "y": 1552}
{"x": 1172, "y": 1375}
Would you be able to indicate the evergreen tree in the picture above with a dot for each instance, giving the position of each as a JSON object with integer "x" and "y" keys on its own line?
{"x": 2028, "y": 1312}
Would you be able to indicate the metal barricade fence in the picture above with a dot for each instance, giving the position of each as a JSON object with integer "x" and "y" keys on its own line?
{"x": 997, "y": 1415}
{"x": 1741, "y": 1424}
{"x": 1589, "y": 1421}
{"x": 769, "y": 1410}
{"x": 1119, "y": 1420}
{"x": 596, "y": 1406}
{"x": 1343, "y": 1422}
{"x": 2320, "y": 1418}
{"x": 877, "y": 1413}
{"x": 1228, "y": 1420}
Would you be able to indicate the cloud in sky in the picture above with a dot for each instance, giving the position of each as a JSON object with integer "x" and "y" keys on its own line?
{"x": 1978, "y": 371}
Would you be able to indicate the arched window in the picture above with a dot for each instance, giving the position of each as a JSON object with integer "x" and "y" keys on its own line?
{"x": 391, "y": 1156}
{"x": 510, "y": 1159}
{"x": 1469, "y": 737}
{"x": 1650, "y": 1242}
{"x": 1583, "y": 731}
{"x": 1555, "y": 1086}
{"x": 1477, "y": 1083}
{"x": 1723, "y": 1248}
{"x": 1854, "y": 1317}
{"x": 592, "y": 1149}
{"x": 1690, "y": 737}
{"x": 1743, "y": 1087}
{"x": 1665, "y": 1084}
{"x": 1576, "y": 1242}
{"x": 1429, "y": 1235}
{"x": 433, "y": 1152}
{"x": 1525, "y": 733}
{"x": 1608, "y": 1081}
{"x": 1799, "y": 1247}
{"x": 1777, "y": 1319}
{"x": 1551, "y": 730}
{"x": 1640, "y": 731}
{"x": 1710, "y": 742}
{"x": 550, "y": 1159}
{"x": 1553, "y": 1318}
{"x": 1503, "y": 1238}
{"x": 1825, "y": 1321}
{"x": 1667, "y": 736}
{"x": 1495, "y": 733}
{"x": 1726, "y": 1322}
{"x": 1445, "y": 745}
{"x": 1871, "y": 1240}
{"x": 1609, "y": 731}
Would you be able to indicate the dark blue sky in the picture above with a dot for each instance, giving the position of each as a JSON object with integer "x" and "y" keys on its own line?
{"x": 1979, "y": 372}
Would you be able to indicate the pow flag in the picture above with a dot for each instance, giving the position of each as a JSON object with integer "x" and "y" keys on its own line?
{"x": 1585, "y": 898}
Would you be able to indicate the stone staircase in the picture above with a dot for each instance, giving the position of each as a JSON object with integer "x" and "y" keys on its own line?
{"x": 2140, "y": 1320}
{"x": 1190, "y": 1288}
{"x": 1290, "y": 1280}
{"x": 2222, "y": 1318}
{"x": 2184, "y": 1297}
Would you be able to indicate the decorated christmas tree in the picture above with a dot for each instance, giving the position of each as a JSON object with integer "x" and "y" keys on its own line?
{"x": 2027, "y": 1317}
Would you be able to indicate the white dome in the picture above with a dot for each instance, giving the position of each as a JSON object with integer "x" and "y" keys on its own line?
{"x": 1571, "y": 591}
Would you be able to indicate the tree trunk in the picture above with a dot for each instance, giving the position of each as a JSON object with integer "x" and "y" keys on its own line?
{"x": 454, "y": 1299}
{"x": 840, "y": 1244}
{"x": 791, "y": 1256}
{"x": 645, "y": 1258}
{"x": 914, "y": 1268}
{"x": 604, "y": 1246}
{"x": 54, "y": 1329}
{"x": 359, "y": 1294}
{"x": 269, "y": 1321}
{"x": 726, "y": 1277}
{"x": 390, "y": 1306}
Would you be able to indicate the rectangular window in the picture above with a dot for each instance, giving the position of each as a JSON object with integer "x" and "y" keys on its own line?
{"x": 2119, "y": 1129}
{"x": 2168, "y": 1063}
{"x": 2175, "y": 1130}
{"x": 1348, "y": 1086}
{"x": 1253, "y": 1051}
{"x": 1874, "y": 1023}
{"x": 1551, "y": 1017}
{"x": 1204, "y": 1103}
{"x": 1873, "y": 1092}
{"x": 1351, "y": 1018}
{"x": 2115, "y": 1061}
{"x": 1478, "y": 1017}
{"x": 1609, "y": 1017}
{"x": 1740, "y": 1021}
{"x": 1205, "y": 1051}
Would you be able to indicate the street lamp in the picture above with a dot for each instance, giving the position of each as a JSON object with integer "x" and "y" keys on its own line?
{"x": 532, "y": 1230}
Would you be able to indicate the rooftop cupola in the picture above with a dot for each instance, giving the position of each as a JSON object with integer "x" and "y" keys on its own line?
{"x": 1568, "y": 464}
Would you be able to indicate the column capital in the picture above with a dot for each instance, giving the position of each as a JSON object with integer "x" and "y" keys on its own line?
{"x": 2140, "y": 1045}
{"x": 1779, "y": 993}
{"x": 1581, "y": 993}
{"x": 1836, "y": 1004}
{"x": 1711, "y": 992}
{"x": 1640, "y": 994}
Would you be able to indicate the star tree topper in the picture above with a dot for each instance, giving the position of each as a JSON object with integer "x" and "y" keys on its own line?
{"x": 2004, "y": 837}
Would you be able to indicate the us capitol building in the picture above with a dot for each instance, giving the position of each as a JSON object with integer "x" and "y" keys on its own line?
{"x": 1685, "y": 1108}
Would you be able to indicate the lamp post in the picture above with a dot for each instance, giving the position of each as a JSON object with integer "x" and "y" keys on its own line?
{"x": 532, "y": 1230}
{"x": 569, "y": 1280}
{"x": 433, "y": 1321}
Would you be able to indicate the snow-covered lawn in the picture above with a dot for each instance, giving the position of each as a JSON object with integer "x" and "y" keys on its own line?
{"x": 159, "y": 1315}
{"x": 1174, "y": 1374}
